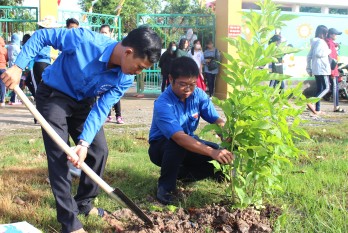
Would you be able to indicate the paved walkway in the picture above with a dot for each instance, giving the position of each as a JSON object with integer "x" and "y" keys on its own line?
{"x": 135, "y": 111}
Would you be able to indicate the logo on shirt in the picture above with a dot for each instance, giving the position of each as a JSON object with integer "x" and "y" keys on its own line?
{"x": 104, "y": 88}
{"x": 195, "y": 115}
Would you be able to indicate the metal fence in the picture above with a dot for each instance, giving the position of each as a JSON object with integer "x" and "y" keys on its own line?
{"x": 93, "y": 21}
{"x": 17, "y": 19}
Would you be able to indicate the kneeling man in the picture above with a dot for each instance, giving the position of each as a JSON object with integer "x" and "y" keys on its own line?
{"x": 173, "y": 145}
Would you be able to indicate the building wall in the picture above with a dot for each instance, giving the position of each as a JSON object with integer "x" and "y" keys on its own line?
{"x": 301, "y": 30}
{"x": 296, "y": 5}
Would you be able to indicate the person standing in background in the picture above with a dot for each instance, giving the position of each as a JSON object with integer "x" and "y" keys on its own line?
{"x": 182, "y": 48}
{"x": 164, "y": 63}
{"x": 330, "y": 40}
{"x": 191, "y": 37}
{"x": 13, "y": 50}
{"x": 72, "y": 23}
{"x": 197, "y": 55}
{"x": 106, "y": 31}
{"x": 318, "y": 65}
{"x": 3, "y": 63}
{"x": 28, "y": 71}
{"x": 43, "y": 59}
{"x": 277, "y": 67}
{"x": 211, "y": 53}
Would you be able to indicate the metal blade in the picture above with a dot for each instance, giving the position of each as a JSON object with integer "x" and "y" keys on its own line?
{"x": 131, "y": 205}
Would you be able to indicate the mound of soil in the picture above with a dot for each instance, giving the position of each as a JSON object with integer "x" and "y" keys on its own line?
{"x": 214, "y": 218}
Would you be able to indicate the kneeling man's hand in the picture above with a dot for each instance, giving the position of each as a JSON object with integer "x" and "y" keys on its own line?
{"x": 223, "y": 156}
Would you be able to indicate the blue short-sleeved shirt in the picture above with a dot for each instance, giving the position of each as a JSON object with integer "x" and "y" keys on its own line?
{"x": 80, "y": 71}
{"x": 170, "y": 115}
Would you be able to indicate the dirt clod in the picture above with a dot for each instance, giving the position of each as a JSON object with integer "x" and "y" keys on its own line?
{"x": 214, "y": 218}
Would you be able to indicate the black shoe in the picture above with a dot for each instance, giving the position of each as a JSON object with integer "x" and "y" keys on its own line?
{"x": 165, "y": 197}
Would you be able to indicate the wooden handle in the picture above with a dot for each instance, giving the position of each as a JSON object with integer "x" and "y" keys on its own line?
{"x": 61, "y": 143}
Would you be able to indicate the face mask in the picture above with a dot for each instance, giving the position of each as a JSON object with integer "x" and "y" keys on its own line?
{"x": 174, "y": 48}
{"x": 197, "y": 46}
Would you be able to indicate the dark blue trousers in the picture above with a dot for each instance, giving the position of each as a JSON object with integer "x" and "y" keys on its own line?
{"x": 323, "y": 87}
{"x": 67, "y": 116}
{"x": 211, "y": 82}
{"x": 178, "y": 163}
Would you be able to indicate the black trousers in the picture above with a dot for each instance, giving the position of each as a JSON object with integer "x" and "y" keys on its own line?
{"x": 38, "y": 69}
{"x": 178, "y": 163}
{"x": 117, "y": 108}
{"x": 29, "y": 83}
{"x": 67, "y": 116}
{"x": 165, "y": 82}
{"x": 211, "y": 82}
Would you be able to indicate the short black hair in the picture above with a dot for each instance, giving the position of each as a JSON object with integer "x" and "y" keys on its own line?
{"x": 145, "y": 42}
{"x": 70, "y": 21}
{"x": 183, "y": 67}
{"x": 321, "y": 32}
{"x": 26, "y": 37}
{"x": 275, "y": 38}
{"x": 105, "y": 26}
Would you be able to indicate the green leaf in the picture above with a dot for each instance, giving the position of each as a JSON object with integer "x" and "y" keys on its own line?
{"x": 155, "y": 208}
{"x": 287, "y": 17}
{"x": 171, "y": 208}
{"x": 211, "y": 127}
{"x": 261, "y": 124}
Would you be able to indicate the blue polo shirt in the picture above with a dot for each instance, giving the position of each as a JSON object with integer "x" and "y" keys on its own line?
{"x": 80, "y": 71}
{"x": 170, "y": 115}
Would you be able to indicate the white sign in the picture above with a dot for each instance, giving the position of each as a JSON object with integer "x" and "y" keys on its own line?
{"x": 19, "y": 227}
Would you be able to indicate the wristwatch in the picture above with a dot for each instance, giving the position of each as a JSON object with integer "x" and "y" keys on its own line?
{"x": 83, "y": 143}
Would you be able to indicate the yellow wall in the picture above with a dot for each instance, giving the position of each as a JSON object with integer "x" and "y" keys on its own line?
{"x": 227, "y": 13}
{"x": 48, "y": 7}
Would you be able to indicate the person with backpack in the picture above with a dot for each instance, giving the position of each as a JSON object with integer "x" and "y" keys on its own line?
{"x": 211, "y": 67}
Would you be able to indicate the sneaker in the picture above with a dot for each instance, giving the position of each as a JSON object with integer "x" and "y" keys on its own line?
{"x": 14, "y": 103}
{"x": 2, "y": 104}
{"x": 109, "y": 119}
{"x": 119, "y": 120}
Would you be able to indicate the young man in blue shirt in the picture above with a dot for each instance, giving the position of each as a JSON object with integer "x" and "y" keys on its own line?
{"x": 90, "y": 65}
{"x": 173, "y": 145}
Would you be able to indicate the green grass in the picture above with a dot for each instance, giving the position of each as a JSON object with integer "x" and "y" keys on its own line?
{"x": 314, "y": 198}
{"x": 316, "y": 188}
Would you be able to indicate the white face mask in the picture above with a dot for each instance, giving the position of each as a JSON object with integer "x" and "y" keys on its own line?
{"x": 173, "y": 48}
{"x": 197, "y": 46}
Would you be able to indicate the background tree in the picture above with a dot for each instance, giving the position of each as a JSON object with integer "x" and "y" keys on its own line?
{"x": 130, "y": 9}
{"x": 10, "y": 2}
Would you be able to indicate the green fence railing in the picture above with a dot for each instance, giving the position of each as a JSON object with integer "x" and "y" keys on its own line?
{"x": 93, "y": 21}
{"x": 149, "y": 81}
{"x": 17, "y": 19}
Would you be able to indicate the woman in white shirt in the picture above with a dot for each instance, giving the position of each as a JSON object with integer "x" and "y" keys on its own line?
{"x": 318, "y": 65}
{"x": 197, "y": 55}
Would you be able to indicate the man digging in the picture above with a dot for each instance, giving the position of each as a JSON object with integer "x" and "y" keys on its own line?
{"x": 90, "y": 65}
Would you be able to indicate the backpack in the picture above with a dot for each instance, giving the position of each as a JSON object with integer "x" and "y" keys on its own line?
{"x": 213, "y": 65}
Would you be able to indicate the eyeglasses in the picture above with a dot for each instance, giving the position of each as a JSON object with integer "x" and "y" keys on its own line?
{"x": 186, "y": 85}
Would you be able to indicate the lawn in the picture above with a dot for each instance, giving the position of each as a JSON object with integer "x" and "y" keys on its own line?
{"x": 314, "y": 198}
